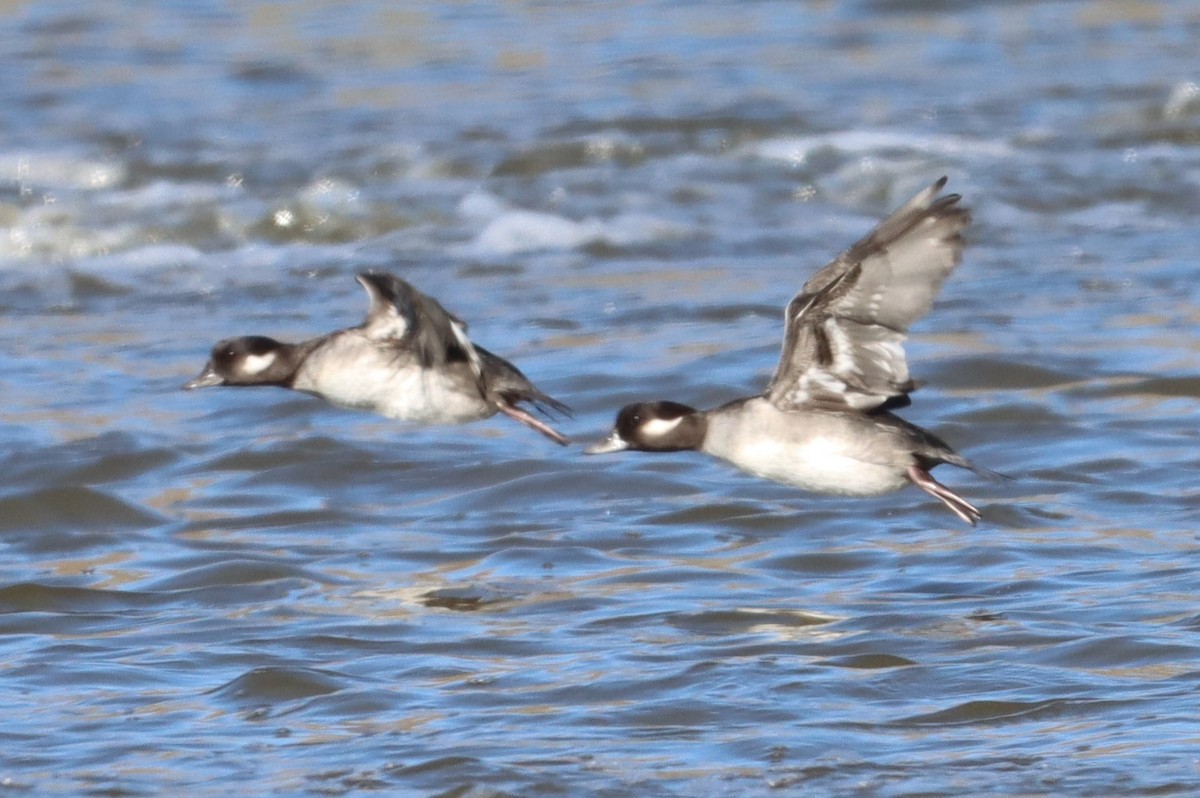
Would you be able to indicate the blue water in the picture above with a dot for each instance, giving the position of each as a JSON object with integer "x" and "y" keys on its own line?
{"x": 250, "y": 592}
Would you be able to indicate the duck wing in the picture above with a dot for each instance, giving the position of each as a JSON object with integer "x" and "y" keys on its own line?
{"x": 402, "y": 316}
{"x": 845, "y": 330}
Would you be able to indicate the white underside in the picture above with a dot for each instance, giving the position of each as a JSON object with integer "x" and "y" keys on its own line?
{"x": 355, "y": 374}
{"x": 821, "y": 466}
{"x": 819, "y": 452}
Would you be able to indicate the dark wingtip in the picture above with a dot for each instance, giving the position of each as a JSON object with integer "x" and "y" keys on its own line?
{"x": 381, "y": 282}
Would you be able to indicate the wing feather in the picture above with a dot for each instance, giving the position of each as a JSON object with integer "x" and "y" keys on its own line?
{"x": 401, "y": 315}
{"x": 845, "y": 331}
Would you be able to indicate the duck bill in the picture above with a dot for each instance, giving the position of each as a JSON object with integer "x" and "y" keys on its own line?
{"x": 613, "y": 443}
{"x": 205, "y": 379}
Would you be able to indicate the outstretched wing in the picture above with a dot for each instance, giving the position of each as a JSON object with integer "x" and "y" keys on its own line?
{"x": 402, "y": 315}
{"x": 845, "y": 330}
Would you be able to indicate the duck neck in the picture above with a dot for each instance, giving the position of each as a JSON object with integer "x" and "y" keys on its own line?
{"x": 289, "y": 357}
{"x": 688, "y": 434}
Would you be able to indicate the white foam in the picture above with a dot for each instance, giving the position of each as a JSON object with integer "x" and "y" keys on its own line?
{"x": 798, "y": 149}
{"x": 148, "y": 258}
{"x": 481, "y": 206}
{"x": 161, "y": 194}
{"x": 1184, "y": 100}
{"x": 528, "y": 231}
{"x": 53, "y": 233}
{"x": 42, "y": 171}
{"x": 512, "y": 231}
{"x": 329, "y": 194}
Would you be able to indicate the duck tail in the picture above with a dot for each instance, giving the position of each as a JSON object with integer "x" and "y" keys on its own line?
{"x": 547, "y": 405}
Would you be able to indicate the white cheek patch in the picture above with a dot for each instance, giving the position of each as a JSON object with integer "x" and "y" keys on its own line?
{"x": 660, "y": 427}
{"x": 257, "y": 364}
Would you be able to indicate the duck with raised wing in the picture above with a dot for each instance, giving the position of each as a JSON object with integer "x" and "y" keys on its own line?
{"x": 824, "y": 422}
{"x": 410, "y": 359}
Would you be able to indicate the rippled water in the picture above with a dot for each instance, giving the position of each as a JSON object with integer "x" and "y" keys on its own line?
{"x": 251, "y": 592}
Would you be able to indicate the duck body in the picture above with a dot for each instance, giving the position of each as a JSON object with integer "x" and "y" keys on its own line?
{"x": 821, "y": 451}
{"x": 350, "y": 370}
{"x": 824, "y": 422}
{"x": 410, "y": 360}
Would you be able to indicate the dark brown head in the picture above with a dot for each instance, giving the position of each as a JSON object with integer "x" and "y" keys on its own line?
{"x": 654, "y": 427}
{"x": 250, "y": 360}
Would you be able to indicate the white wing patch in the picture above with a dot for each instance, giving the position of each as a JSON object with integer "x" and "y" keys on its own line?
{"x": 460, "y": 335}
{"x": 888, "y": 356}
{"x": 842, "y": 349}
{"x": 861, "y": 373}
{"x": 387, "y": 325}
{"x": 816, "y": 382}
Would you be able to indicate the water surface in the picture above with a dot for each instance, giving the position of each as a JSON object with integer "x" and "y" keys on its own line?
{"x": 252, "y": 592}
